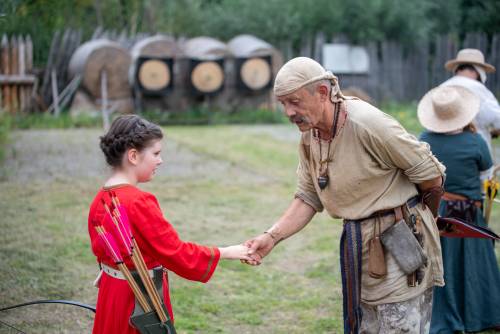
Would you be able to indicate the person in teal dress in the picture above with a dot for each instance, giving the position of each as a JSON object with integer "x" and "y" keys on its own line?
{"x": 470, "y": 299}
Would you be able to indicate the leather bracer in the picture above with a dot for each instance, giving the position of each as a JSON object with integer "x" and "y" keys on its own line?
{"x": 432, "y": 197}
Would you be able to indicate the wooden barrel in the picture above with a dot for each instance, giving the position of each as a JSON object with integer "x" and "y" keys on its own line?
{"x": 207, "y": 63}
{"x": 96, "y": 56}
{"x": 151, "y": 68}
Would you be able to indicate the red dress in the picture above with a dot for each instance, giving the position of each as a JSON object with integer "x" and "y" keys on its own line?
{"x": 159, "y": 244}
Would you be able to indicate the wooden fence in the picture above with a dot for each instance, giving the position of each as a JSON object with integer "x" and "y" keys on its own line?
{"x": 404, "y": 74}
{"x": 16, "y": 79}
{"x": 396, "y": 73}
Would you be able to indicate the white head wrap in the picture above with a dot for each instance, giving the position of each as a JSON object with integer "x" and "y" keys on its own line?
{"x": 301, "y": 71}
{"x": 481, "y": 72}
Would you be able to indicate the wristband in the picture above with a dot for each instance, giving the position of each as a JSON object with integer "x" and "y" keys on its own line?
{"x": 275, "y": 239}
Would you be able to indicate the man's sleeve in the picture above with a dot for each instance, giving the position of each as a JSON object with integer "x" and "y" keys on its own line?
{"x": 305, "y": 186}
{"x": 394, "y": 147}
{"x": 489, "y": 115}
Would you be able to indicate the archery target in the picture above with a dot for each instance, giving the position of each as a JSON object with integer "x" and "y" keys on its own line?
{"x": 255, "y": 73}
{"x": 154, "y": 75}
{"x": 207, "y": 77}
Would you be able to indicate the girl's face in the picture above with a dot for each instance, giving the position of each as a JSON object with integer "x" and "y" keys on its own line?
{"x": 148, "y": 161}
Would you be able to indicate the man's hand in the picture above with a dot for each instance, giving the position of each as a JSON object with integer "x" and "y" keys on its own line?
{"x": 259, "y": 247}
{"x": 293, "y": 220}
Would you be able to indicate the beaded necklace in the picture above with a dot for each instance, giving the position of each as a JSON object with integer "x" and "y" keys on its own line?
{"x": 323, "y": 177}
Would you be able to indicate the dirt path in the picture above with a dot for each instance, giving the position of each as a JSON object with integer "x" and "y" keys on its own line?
{"x": 45, "y": 155}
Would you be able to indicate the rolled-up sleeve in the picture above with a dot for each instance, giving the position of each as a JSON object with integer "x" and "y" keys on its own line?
{"x": 305, "y": 186}
{"x": 399, "y": 149}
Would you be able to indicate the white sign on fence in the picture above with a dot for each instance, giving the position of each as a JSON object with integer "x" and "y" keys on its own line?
{"x": 345, "y": 59}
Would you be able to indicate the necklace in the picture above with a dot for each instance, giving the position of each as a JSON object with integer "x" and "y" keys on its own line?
{"x": 323, "y": 177}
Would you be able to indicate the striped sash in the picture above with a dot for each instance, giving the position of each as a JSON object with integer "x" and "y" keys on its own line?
{"x": 350, "y": 263}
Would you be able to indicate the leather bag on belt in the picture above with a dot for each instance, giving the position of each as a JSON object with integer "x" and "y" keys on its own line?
{"x": 402, "y": 244}
{"x": 377, "y": 267}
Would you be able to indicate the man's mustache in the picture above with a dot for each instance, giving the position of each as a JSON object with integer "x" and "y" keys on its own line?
{"x": 297, "y": 119}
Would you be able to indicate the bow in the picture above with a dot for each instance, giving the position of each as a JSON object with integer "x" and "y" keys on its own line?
{"x": 51, "y": 301}
{"x": 45, "y": 301}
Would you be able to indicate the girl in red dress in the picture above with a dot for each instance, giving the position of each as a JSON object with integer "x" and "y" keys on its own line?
{"x": 132, "y": 148}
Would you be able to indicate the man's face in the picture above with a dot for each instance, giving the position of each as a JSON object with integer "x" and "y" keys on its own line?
{"x": 302, "y": 108}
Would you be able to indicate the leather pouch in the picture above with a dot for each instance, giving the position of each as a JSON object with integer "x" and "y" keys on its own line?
{"x": 404, "y": 247}
{"x": 377, "y": 267}
{"x": 148, "y": 323}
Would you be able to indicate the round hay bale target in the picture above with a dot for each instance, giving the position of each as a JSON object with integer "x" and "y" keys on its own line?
{"x": 255, "y": 62}
{"x": 255, "y": 73}
{"x": 207, "y": 77}
{"x": 205, "y": 48}
{"x": 152, "y": 64}
{"x": 154, "y": 74}
{"x": 96, "y": 56}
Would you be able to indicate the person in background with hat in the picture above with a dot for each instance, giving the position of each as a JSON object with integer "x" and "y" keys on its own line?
{"x": 470, "y": 71}
{"x": 470, "y": 299}
{"x": 360, "y": 165}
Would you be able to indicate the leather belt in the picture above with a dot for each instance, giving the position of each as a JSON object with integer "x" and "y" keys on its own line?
{"x": 118, "y": 274}
{"x": 397, "y": 211}
{"x": 457, "y": 197}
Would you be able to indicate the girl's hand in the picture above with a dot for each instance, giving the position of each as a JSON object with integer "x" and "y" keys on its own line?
{"x": 237, "y": 252}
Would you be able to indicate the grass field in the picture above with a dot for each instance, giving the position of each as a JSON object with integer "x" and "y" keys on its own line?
{"x": 219, "y": 185}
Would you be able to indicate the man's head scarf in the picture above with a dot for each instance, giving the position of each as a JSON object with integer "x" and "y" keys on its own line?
{"x": 302, "y": 71}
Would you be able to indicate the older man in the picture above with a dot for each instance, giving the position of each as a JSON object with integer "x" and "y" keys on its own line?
{"x": 361, "y": 165}
{"x": 470, "y": 71}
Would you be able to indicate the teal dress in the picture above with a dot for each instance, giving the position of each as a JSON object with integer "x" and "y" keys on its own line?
{"x": 470, "y": 300}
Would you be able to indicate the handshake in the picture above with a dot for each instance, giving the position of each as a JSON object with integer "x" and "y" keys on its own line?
{"x": 251, "y": 251}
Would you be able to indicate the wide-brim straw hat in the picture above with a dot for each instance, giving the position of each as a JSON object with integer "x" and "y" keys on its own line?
{"x": 469, "y": 56}
{"x": 447, "y": 108}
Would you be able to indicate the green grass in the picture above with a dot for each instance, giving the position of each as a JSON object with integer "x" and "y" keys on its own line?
{"x": 200, "y": 116}
{"x": 406, "y": 114}
{"x": 261, "y": 153}
{"x": 48, "y": 121}
{"x": 45, "y": 253}
{"x": 5, "y": 125}
{"x": 44, "y": 249}
{"x": 195, "y": 116}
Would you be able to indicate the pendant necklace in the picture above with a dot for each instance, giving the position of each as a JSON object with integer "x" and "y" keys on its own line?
{"x": 323, "y": 177}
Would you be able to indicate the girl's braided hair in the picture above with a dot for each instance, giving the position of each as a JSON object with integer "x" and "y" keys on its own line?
{"x": 126, "y": 132}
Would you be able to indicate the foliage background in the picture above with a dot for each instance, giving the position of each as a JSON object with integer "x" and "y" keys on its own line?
{"x": 272, "y": 20}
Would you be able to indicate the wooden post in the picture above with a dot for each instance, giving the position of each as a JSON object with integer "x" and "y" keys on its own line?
{"x": 104, "y": 101}
{"x": 22, "y": 71}
{"x": 45, "y": 88}
{"x": 29, "y": 68}
{"x": 5, "y": 69}
{"x": 55, "y": 95}
{"x": 14, "y": 69}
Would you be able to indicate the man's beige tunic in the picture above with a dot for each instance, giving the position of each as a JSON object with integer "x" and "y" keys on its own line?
{"x": 375, "y": 165}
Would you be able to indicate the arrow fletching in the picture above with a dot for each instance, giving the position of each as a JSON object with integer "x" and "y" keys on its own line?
{"x": 118, "y": 226}
{"x": 110, "y": 244}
